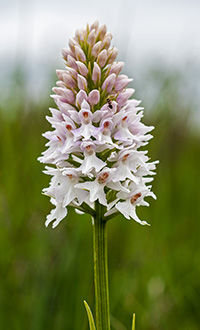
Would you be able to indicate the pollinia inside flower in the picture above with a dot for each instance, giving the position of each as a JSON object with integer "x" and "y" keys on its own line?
{"x": 94, "y": 146}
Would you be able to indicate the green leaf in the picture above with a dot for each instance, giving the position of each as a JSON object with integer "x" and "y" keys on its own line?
{"x": 90, "y": 316}
{"x": 133, "y": 323}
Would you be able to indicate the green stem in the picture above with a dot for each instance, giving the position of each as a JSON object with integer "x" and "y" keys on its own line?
{"x": 101, "y": 270}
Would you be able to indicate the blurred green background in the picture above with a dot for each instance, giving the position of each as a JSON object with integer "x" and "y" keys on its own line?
{"x": 153, "y": 271}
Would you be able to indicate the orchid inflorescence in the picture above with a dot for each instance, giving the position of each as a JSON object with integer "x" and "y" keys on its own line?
{"x": 97, "y": 134}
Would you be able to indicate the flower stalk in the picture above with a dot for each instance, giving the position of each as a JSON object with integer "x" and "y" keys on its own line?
{"x": 101, "y": 269}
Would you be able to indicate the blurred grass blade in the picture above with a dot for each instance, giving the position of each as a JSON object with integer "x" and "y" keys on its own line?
{"x": 133, "y": 323}
{"x": 90, "y": 316}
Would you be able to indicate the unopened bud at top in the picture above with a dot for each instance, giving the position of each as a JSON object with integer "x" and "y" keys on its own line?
{"x": 80, "y": 97}
{"x": 102, "y": 31}
{"x": 94, "y": 97}
{"x": 112, "y": 54}
{"x": 102, "y": 58}
{"x": 71, "y": 62}
{"x": 82, "y": 82}
{"x": 73, "y": 72}
{"x": 107, "y": 41}
{"x": 91, "y": 37}
{"x": 79, "y": 53}
{"x": 96, "y": 74}
{"x": 66, "y": 93}
{"x": 65, "y": 53}
{"x": 68, "y": 80}
{"x": 60, "y": 73}
{"x": 109, "y": 83}
{"x": 82, "y": 68}
{"x": 72, "y": 44}
{"x": 117, "y": 67}
{"x": 95, "y": 25}
{"x": 96, "y": 48}
{"x": 79, "y": 35}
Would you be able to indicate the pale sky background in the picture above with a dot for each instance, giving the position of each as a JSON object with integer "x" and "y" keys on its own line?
{"x": 146, "y": 32}
{"x": 148, "y": 29}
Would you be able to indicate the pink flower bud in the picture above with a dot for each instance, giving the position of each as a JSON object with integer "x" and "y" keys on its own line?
{"x": 66, "y": 52}
{"x": 107, "y": 41}
{"x": 122, "y": 82}
{"x": 82, "y": 82}
{"x": 92, "y": 37}
{"x": 82, "y": 68}
{"x": 79, "y": 35}
{"x": 96, "y": 48}
{"x": 60, "y": 83}
{"x": 95, "y": 26}
{"x": 66, "y": 93}
{"x": 71, "y": 62}
{"x": 109, "y": 83}
{"x": 102, "y": 58}
{"x": 72, "y": 44}
{"x": 112, "y": 54}
{"x": 80, "y": 97}
{"x": 108, "y": 35}
{"x": 96, "y": 74}
{"x": 79, "y": 53}
{"x": 94, "y": 97}
{"x": 60, "y": 73}
{"x": 124, "y": 96}
{"x": 117, "y": 67}
{"x": 102, "y": 31}
{"x": 68, "y": 80}
{"x": 73, "y": 72}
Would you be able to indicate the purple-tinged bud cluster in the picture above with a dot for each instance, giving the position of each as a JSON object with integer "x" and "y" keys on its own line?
{"x": 97, "y": 133}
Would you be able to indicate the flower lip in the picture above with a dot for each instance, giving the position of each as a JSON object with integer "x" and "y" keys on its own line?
{"x": 124, "y": 159}
{"x": 103, "y": 177}
{"x": 72, "y": 177}
{"x": 89, "y": 149}
{"x": 87, "y": 146}
{"x": 135, "y": 198}
{"x": 85, "y": 114}
{"x": 69, "y": 172}
{"x": 106, "y": 124}
{"x": 68, "y": 127}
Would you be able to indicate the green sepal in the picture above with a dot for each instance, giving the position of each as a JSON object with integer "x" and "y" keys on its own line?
{"x": 90, "y": 316}
{"x": 73, "y": 162}
{"x": 111, "y": 216}
{"x": 133, "y": 323}
{"x": 111, "y": 195}
{"x": 88, "y": 209}
{"x": 105, "y": 154}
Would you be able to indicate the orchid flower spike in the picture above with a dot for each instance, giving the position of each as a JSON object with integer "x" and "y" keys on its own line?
{"x": 93, "y": 148}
